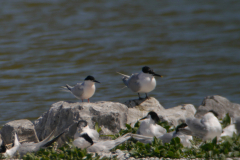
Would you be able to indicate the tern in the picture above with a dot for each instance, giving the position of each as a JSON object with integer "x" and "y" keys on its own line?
{"x": 83, "y": 128}
{"x": 34, "y": 147}
{"x": 167, "y": 137}
{"x": 9, "y": 153}
{"x": 83, "y": 90}
{"x": 149, "y": 126}
{"x": 229, "y": 130}
{"x": 85, "y": 141}
{"x": 206, "y": 128}
{"x": 184, "y": 139}
{"x": 142, "y": 82}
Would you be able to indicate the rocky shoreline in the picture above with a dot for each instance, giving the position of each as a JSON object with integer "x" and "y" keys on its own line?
{"x": 110, "y": 116}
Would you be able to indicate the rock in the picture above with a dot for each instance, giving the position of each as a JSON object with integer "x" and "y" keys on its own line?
{"x": 110, "y": 116}
{"x": 140, "y": 108}
{"x": 219, "y": 104}
{"x": 145, "y": 104}
{"x": 24, "y": 129}
{"x": 177, "y": 115}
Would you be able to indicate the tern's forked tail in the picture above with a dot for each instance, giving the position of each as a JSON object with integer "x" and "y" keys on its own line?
{"x": 124, "y": 78}
{"x": 68, "y": 87}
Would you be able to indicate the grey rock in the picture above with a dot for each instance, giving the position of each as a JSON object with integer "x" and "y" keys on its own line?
{"x": 219, "y": 104}
{"x": 140, "y": 108}
{"x": 178, "y": 114}
{"x": 24, "y": 129}
{"x": 110, "y": 116}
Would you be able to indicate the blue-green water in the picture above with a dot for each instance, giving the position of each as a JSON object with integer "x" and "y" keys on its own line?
{"x": 195, "y": 45}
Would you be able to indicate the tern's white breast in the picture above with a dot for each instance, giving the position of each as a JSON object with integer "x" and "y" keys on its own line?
{"x": 147, "y": 83}
{"x": 88, "y": 90}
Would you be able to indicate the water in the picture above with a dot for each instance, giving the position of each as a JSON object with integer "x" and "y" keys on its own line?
{"x": 47, "y": 44}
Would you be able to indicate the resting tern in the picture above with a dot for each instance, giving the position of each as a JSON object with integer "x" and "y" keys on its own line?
{"x": 85, "y": 141}
{"x": 83, "y": 127}
{"x": 206, "y": 128}
{"x": 34, "y": 147}
{"x": 167, "y": 137}
{"x": 9, "y": 153}
{"x": 149, "y": 126}
{"x": 184, "y": 139}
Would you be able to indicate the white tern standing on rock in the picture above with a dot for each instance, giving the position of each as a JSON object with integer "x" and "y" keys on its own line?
{"x": 83, "y": 90}
{"x": 142, "y": 82}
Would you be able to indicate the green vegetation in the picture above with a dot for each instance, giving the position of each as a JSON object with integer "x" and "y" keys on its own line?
{"x": 228, "y": 147}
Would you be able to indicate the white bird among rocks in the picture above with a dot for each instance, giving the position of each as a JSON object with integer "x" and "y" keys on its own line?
{"x": 206, "y": 128}
{"x": 149, "y": 126}
{"x": 9, "y": 153}
{"x": 85, "y": 141}
{"x": 82, "y": 127}
{"x": 83, "y": 90}
{"x": 142, "y": 82}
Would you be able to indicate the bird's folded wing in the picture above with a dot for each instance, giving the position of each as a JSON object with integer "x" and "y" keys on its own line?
{"x": 77, "y": 90}
{"x": 133, "y": 82}
{"x": 197, "y": 127}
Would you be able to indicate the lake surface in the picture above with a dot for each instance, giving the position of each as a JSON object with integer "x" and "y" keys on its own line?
{"x": 44, "y": 45}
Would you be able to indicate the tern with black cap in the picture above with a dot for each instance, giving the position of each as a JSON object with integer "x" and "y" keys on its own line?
{"x": 142, "y": 82}
{"x": 83, "y": 90}
{"x": 149, "y": 126}
{"x": 85, "y": 141}
{"x": 82, "y": 128}
{"x": 206, "y": 128}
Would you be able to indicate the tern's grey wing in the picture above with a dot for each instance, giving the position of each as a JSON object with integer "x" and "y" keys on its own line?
{"x": 95, "y": 135}
{"x": 133, "y": 83}
{"x": 77, "y": 90}
{"x": 186, "y": 131}
{"x": 102, "y": 146}
{"x": 142, "y": 138}
{"x": 106, "y": 146}
{"x": 166, "y": 138}
{"x": 197, "y": 127}
{"x": 161, "y": 130}
{"x": 81, "y": 143}
{"x": 27, "y": 147}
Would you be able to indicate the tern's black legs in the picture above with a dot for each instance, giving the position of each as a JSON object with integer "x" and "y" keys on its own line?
{"x": 140, "y": 98}
{"x": 146, "y": 96}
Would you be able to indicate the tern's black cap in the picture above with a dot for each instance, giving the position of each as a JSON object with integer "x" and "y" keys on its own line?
{"x": 91, "y": 78}
{"x": 154, "y": 116}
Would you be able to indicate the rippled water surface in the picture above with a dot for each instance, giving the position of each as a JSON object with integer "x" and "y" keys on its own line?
{"x": 47, "y": 44}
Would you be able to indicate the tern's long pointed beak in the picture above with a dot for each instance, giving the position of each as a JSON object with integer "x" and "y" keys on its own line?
{"x": 96, "y": 81}
{"x": 143, "y": 118}
{"x": 154, "y": 74}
